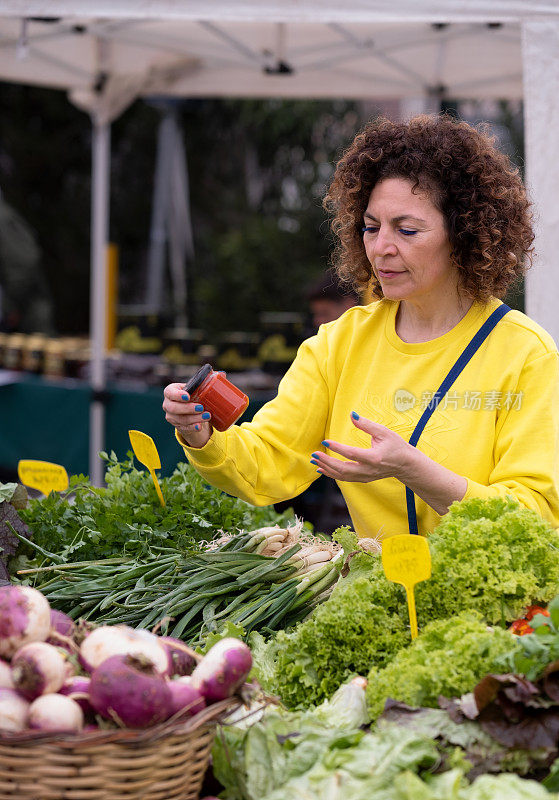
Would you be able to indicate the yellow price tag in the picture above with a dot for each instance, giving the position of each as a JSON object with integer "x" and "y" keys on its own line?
{"x": 406, "y": 560}
{"x": 42, "y": 475}
{"x": 146, "y": 452}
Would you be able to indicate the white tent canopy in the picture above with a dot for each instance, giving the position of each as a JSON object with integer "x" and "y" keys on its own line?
{"x": 310, "y": 59}
{"x": 107, "y": 53}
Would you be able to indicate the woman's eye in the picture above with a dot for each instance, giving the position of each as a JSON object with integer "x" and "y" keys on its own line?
{"x": 407, "y": 232}
{"x": 369, "y": 229}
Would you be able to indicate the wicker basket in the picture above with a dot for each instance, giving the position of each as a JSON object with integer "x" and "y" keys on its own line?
{"x": 166, "y": 762}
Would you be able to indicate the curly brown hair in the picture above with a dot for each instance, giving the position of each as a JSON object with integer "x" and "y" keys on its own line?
{"x": 479, "y": 192}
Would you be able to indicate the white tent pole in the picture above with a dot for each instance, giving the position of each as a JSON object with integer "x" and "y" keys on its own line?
{"x": 540, "y": 57}
{"x": 161, "y": 197}
{"x": 98, "y": 284}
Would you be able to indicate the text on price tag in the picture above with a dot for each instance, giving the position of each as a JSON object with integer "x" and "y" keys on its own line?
{"x": 42, "y": 475}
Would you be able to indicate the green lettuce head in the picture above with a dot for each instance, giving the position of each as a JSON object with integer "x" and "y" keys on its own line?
{"x": 492, "y": 556}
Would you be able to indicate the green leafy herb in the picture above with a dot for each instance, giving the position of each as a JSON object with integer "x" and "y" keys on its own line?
{"x": 86, "y": 522}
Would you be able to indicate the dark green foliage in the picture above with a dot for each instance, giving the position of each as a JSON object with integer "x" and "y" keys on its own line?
{"x": 126, "y": 516}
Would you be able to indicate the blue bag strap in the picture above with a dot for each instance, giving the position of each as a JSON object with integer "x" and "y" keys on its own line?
{"x": 470, "y": 350}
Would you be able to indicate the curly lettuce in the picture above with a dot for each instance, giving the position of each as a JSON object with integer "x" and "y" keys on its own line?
{"x": 343, "y": 637}
{"x": 448, "y": 658}
{"x": 493, "y": 556}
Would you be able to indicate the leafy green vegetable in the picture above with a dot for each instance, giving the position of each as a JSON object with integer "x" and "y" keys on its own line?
{"x": 126, "y": 516}
{"x": 493, "y": 556}
{"x": 448, "y": 658}
{"x": 489, "y": 556}
{"x": 505, "y": 787}
{"x": 343, "y": 637}
{"x": 7, "y": 491}
{"x": 466, "y": 740}
{"x": 366, "y": 770}
{"x": 252, "y": 763}
{"x": 315, "y": 754}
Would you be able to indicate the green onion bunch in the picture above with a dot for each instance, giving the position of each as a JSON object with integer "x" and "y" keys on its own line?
{"x": 190, "y": 595}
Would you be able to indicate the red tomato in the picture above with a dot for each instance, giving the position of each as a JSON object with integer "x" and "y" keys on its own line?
{"x": 520, "y": 627}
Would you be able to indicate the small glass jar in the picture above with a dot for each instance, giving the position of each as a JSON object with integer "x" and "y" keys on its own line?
{"x": 219, "y": 396}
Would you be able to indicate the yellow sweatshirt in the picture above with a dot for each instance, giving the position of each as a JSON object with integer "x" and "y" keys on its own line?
{"x": 498, "y": 426}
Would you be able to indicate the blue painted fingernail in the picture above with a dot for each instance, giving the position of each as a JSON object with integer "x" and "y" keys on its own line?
{"x": 355, "y": 415}
{"x": 314, "y": 455}
{"x": 196, "y": 427}
{"x": 185, "y": 397}
{"x": 314, "y": 462}
{"x": 206, "y": 415}
{"x": 325, "y": 444}
{"x": 198, "y": 407}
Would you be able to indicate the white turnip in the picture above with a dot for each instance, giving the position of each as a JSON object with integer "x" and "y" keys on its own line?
{"x": 113, "y": 640}
{"x": 14, "y": 710}
{"x": 24, "y": 618}
{"x": 39, "y": 668}
{"x": 54, "y": 712}
{"x": 182, "y": 659}
{"x": 128, "y": 689}
{"x": 185, "y": 697}
{"x": 6, "y": 681}
{"x": 222, "y": 670}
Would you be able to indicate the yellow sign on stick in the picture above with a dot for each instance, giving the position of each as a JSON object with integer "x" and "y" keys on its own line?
{"x": 146, "y": 452}
{"x": 42, "y": 475}
{"x": 406, "y": 560}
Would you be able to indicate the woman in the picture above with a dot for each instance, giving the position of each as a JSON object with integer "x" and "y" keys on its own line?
{"x": 436, "y": 221}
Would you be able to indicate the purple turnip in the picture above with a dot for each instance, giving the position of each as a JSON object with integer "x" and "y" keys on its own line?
{"x": 39, "y": 668}
{"x": 77, "y": 688}
{"x": 222, "y": 670}
{"x": 54, "y": 712}
{"x": 14, "y": 710}
{"x": 6, "y": 681}
{"x": 182, "y": 659}
{"x": 185, "y": 697}
{"x": 62, "y": 631}
{"x": 128, "y": 689}
{"x": 113, "y": 640}
{"x": 24, "y": 618}
{"x": 62, "y": 623}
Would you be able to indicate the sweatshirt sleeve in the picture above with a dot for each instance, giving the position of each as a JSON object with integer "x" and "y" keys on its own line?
{"x": 526, "y": 449}
{"x": 268, "y": 460}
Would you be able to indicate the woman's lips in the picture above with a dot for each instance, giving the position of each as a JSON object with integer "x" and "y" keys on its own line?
{"x": 389, "y": 273}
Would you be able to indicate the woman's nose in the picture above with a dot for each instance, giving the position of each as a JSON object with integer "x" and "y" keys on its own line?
{"x": 384, "y": 242}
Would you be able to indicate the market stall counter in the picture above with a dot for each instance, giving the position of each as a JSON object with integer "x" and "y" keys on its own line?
{"x": 49, "y": 419}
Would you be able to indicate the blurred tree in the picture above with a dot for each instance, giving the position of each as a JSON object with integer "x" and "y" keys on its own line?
{"x": 258, "y": 170}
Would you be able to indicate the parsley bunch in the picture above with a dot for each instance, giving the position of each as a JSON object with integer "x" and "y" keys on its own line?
{"x": 125, "y": 517}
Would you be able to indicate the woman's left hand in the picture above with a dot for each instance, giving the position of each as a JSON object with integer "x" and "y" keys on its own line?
{"x": 387, "y": 456}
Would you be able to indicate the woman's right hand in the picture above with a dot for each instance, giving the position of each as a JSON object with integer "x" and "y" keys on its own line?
{"x": 191, "y": 420}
